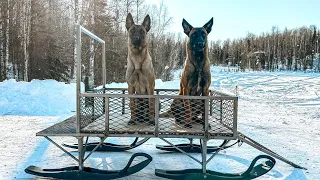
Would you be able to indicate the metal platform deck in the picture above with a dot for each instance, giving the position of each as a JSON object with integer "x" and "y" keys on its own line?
{"x": 121, "y": 128}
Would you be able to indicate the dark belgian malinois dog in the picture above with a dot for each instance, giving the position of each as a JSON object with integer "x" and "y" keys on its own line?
{"x": 140, "y": 74}
{"x": 196, "y": 76}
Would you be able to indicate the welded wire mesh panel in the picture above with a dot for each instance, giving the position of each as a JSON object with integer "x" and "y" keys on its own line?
{"x": 221, "y": 114}
{"x": 177, "y": 115}
{"x": 164, "y": 102}
{"x": 131, "y": 117}
{"x": 227, "y": 113}
{"x": 92, "y": 114}
{"x": 184, "y": 116}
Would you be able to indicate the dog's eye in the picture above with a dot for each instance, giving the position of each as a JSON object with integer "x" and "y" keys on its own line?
{"x": 132, "y": 30}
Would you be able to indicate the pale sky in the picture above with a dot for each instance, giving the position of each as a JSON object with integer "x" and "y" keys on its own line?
{"x": 234, "y": 18}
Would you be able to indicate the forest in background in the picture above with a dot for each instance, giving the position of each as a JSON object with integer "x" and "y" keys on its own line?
{"x": 37, "y": 41}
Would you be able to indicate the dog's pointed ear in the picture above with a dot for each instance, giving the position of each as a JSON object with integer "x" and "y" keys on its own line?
{"x": 129, "y": 21}
{"x": 146, "y": 22}
{"x": 186, "y": 27}
{"x": 208, "y": 25}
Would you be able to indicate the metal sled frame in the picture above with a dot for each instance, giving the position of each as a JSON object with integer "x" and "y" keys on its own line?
{"x": 99, "y": 121}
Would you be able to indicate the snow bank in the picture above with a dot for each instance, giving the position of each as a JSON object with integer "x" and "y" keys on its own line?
{"x": 37, "y": 98}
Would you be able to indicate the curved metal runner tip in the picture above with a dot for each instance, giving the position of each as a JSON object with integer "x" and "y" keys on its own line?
{"x": 110, "y": 146}
{"x": 73, "y": 172}
{"x": 251, "y": 173}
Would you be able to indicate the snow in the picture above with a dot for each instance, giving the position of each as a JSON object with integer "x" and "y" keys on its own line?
{"x": 280, "y": 110}
{"x": 36, "y": 98}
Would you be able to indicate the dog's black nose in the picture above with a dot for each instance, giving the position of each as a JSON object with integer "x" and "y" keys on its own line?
{"x": 200, "y": 44}
{"x": 136, "y": 38}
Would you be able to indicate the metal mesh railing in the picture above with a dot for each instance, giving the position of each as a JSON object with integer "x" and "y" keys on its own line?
{"x": 117, "y": 113}
{"x": 184, "y": 116}
{"x": 221, "y": 117}
{"x": 92, "y": 113}
{"x": 123, "y": 119}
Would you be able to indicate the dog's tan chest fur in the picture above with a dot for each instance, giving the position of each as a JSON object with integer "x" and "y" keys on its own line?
{"x": 138, "y": 74}
{"x": 139, "y": 81}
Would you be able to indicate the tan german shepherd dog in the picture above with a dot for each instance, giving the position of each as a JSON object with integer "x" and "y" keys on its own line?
{"x": 140, "y": 74}
{"x": 196, "y": 76}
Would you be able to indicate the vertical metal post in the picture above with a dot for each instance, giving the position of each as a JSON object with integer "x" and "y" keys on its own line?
{"x": 93, "y": 110}
{"x": 235, "y": 117}
{"x": 211, "y": 101}
{"x": 206, "y": 118}
{"x": 107, "y": 116}
{"x": 103, "y": 101}
{"x": 156, "y": 118}
{"x": 211, "y": 104}
{"x": 123, "y": 102}
{"x": 204, "y": 155}
{"x": 221, "y": 109}
{"x": 104, "y": 78}
{"x": 78, "y": 75}
{"x": 80, "y": 152}
{"x": 104, "y": 70}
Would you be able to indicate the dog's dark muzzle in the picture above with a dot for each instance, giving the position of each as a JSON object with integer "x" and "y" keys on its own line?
{"x": 136, "y": 40}
{"x": 199, "y": 46}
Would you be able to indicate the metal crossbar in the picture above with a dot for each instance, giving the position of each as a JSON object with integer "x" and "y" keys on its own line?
{"x": 182, "y": 151}
{"x": 61, "y": 148}
{"x": 94, "y": 149}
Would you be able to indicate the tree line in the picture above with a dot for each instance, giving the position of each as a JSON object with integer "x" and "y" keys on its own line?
{"x": 290, "y": 49}
{"x": 37, "y": 41}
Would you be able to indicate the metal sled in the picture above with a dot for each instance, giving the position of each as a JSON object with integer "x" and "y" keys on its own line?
{"x": 104, "y": 112}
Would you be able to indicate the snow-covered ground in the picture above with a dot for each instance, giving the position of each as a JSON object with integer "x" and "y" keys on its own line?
{"x": 281, "y": 110}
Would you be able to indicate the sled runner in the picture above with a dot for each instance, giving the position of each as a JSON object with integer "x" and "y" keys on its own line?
{"x": 251, "y": 173}
{"x": 74, "y": 172}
